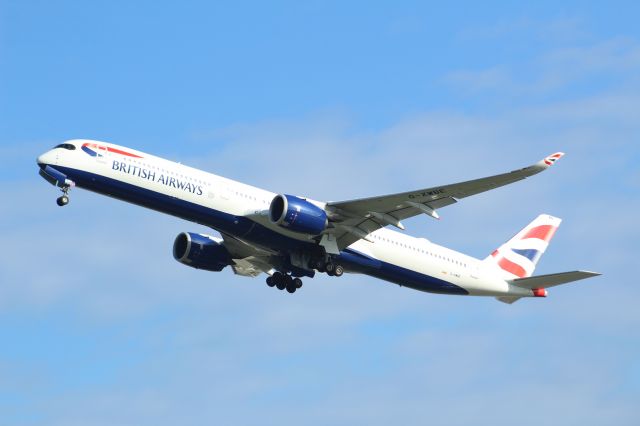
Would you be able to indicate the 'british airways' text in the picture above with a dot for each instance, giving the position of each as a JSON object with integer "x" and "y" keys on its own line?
{"x": 151, "y": 175}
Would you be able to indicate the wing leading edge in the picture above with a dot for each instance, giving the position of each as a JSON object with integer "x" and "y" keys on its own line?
{"x": 355, "y": 219}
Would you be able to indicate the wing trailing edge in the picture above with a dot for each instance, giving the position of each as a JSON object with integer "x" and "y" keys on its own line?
{"x": 365, "y": 215}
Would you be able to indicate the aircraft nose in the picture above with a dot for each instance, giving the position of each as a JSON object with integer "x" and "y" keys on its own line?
{"x": 44, "y": 159}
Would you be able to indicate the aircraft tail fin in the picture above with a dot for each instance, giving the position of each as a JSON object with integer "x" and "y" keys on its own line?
{"x": 518, "y": 257}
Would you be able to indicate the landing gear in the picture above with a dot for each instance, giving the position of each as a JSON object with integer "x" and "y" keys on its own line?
{"x": 334, "y": 269}
{"x": 293, "y": 285}
{"x": 63, "y": 200}
{"x": 270, "y": 281}
{"x": 284, "y": 281}
{"x": 338, "y": 270}
{"x": 319, "y": 264}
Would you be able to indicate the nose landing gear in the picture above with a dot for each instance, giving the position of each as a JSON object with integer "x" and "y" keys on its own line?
{"x": 63, "y": 200}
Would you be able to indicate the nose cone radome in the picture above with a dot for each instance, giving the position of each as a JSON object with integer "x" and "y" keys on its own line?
{"x": 44, "y": 159}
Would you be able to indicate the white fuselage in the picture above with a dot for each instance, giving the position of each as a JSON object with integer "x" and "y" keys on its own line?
{"x": 150, "y": 177}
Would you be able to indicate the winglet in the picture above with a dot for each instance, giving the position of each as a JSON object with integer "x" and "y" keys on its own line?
{"x": 548, "y": 161}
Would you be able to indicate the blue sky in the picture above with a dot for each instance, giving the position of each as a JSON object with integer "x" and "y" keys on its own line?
{"x": 333, "y": 100}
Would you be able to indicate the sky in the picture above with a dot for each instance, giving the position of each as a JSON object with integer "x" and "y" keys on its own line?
{"x": 330, "y": 100}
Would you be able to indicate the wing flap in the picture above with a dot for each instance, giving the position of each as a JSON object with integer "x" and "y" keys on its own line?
{"x": 251, "y": 266}
{"x": 249, "y": 260}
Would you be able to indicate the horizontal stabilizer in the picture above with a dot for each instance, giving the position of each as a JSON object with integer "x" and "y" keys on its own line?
{"x": 551, "y": 280}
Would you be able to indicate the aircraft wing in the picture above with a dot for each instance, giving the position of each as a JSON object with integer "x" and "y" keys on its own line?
{"x": 251, "y": 266}
{"x": 355, "y": 219}
{"x": 249, "y": 260}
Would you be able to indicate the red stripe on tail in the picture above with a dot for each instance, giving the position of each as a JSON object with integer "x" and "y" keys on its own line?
{"x": 118, "y": 151}
{"x": 511, "y": 267}
{"x": 542, "y": 232}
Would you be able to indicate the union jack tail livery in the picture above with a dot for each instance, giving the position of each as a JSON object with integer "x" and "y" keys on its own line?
{"x": 517, "y": 258}
{"x": 553, "y": 158}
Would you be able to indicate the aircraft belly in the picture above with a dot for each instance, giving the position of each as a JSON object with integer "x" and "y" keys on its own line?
{"x": 403, "y": 276}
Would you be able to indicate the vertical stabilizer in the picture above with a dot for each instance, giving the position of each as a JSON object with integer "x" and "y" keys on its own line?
{"x": 517, "y": 258}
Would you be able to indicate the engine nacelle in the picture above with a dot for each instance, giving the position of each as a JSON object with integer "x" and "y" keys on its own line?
{"x": 297, "y": 215}
{"x": 201, "y": 252}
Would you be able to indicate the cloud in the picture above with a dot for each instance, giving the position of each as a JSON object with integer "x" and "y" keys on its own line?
{"x": 585, "y": 66}
{"x": 164, "y": 343}
{"x": 521, "y": 31}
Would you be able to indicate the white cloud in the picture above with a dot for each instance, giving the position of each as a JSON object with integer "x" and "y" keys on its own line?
{"x": 220, "y": 348}
{"x": 576, "y": 66}
{"x": 522, "y": 31}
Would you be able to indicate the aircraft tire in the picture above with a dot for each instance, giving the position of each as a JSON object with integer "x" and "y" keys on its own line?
{"x": 338, "y": 270}
{"x": 278, "y": 279}
{"x": 62, "y": 201}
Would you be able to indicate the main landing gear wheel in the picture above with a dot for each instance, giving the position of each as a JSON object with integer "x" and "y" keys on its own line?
{"x": 329, "y": 267}
{"x": 334, "y": 270}
{"x": 297, "y": 282}
{"x": 282, "y": 281}
{"x": 338, "y": 271}
{"x": 293, "y": 285}
{"x": 63, "y": 200}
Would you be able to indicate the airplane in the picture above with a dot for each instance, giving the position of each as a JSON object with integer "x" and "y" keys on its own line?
{"x": 288, "y": 237}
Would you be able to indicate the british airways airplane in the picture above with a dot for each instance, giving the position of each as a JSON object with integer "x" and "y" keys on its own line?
{"x": 288, "y": 237}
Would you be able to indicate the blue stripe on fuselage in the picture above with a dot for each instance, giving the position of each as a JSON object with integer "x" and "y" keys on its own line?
{"x": 249, "y": 230}
{"x": 237, "y": 226}
{"x": 359, "y": 262}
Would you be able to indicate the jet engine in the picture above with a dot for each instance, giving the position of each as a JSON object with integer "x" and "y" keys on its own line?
{"x": 297, "y": 215}
{"x": 201, "y": 252}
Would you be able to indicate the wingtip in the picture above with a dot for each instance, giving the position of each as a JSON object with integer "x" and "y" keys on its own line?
{"x": 551, "y": 159}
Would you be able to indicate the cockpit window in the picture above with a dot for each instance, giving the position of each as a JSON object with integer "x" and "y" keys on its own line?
{"x": 68, "y": 146}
